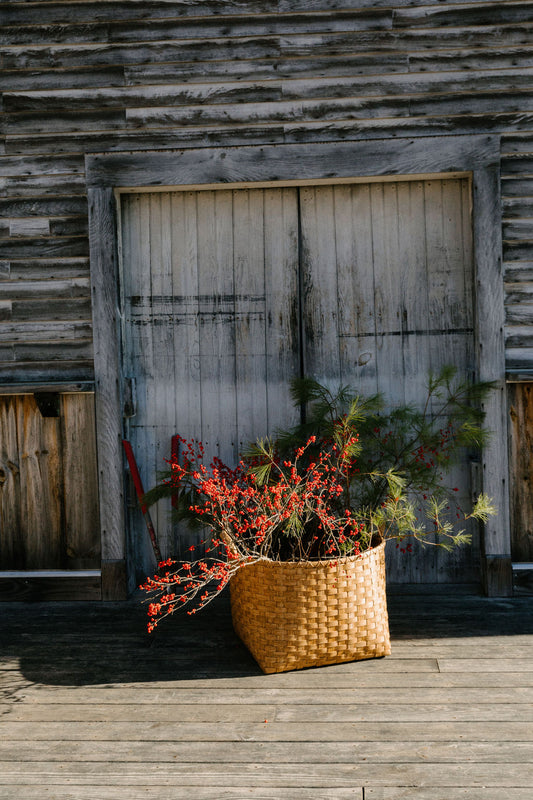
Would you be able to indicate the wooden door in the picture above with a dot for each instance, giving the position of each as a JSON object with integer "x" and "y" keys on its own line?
{"x": 229, "y": 294}
{"x": 210, "y": 285}
{"x": 388, "y": 280}
{"x": 521, "y": 478}
{"x": 49, "y": 519}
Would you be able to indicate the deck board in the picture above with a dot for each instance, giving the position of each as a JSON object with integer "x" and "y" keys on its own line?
{"x": 91, "y": 707}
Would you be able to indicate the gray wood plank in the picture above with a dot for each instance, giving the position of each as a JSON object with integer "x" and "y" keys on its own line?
{"x": 46, "y": 207}
{"x": 35, "y": 729}
{"x": 151, "y": 792}
{"x": 217, "y": 165}
{"x": 435, "y": 793}
{"x": 464, "y": 16}
{"x": 447, "y": 712}
{"x": 137, "y": 56}
{"x": 33, "y": 331}
{"x": 297, "y": 696}
{"x": 106, "y": 361}
{"x": 271, "y": 90}
{"x": 131, "y": 30}
{"x": 269, "y": 753}
{"x": 42, "y": 165}
{"x": 13, "y": 14}
{"x": 271, "y": 776}
{"x": 46, "y": 246}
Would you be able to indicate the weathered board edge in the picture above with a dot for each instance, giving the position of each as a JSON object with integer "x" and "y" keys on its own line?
{"x": 490, "y": 309}
{"x": 50, "y": 587}
{"x": 104, "y": 279}
{"x": 281, "y": 162}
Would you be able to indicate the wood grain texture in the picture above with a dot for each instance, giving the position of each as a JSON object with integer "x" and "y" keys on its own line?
{"x": 520, "y": 410}
{"x": 217, "y": 305}
{"x": 388, "y": 297}
{"x": 121, "y": 76}
{"x": 49, "y": 492}
{"x": 283, "y": 162}
{"x": 107, "y": 369}
{"x": 82, "y": 523}
{"x": 490, "y": 314}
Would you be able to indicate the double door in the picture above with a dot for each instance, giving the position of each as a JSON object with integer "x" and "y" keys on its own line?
{"x": 228, "y": 294}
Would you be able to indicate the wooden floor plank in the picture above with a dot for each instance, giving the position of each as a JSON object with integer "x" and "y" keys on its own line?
{"x": 311, "y": 753}
{"x": 278, "y": 697}
{"x": 316, "y": 680}
{"x": 299, "y": 713}
{"x": 246, "y": 776}
{"x": 262, "y": 731}
{"x": 176, "y": 793}
{"x": 486, "y": 664}
{"x": 447, "y": 793}
{"x": 421, "y": 713}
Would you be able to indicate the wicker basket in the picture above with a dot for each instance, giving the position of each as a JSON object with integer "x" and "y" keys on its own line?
{"x": 293, "y": 614}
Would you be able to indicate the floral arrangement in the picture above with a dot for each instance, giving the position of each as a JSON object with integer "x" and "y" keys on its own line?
{"x": 349, "y": 477}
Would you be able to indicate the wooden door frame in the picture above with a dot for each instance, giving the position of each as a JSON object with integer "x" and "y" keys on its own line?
{"x": 296, "y": 164}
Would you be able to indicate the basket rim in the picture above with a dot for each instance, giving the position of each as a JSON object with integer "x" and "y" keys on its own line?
{"x": 309, "y": 564}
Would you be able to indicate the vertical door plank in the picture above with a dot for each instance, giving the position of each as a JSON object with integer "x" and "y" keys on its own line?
{"x": 320, "y": 334}
{"x": 461, "y": 563}
{"x": 82, "y": 524}
{"x": 390, "y": 322}
{"x": 12, "y": 546}
{"x": 450, "y": 287}
{"x": 186, "y": 369}
{"x": 388, "y": 288}
{"x": 450, "y": 280}
{"x": 160, "y": 399}
{"x": 138, "y": 324}
{"x": 40, "y": 477}
{"x": 282, "y": 322}
{"x": 216, "y": 290}
{"x": 521, "y": 461}
{"x": 357, "y": 322}
{"x": 186, "y": 336}
{"x": 250, "y": 314}
{"x": 412, "y": 276}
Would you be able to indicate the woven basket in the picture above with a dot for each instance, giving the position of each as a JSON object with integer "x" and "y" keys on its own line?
{"x": 292, "y": 614}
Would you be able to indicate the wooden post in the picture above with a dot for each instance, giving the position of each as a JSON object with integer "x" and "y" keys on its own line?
{"x": 107, "y": 382}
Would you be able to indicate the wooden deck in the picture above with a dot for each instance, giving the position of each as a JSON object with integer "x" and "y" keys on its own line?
{"x": 91, "y": 709}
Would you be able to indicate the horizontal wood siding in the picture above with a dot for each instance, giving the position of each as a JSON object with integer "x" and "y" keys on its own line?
{"x": 121, "y": 75}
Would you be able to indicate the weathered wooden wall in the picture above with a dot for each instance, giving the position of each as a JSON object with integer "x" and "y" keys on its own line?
{"x": 87, "y": 77}
{"x": 83, "y": 77}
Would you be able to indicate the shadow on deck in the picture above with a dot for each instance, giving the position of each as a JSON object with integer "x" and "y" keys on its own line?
{"x": 92, "y": 707}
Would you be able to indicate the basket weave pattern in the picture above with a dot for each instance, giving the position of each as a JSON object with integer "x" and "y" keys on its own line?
{"x": 293, "y": 614}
